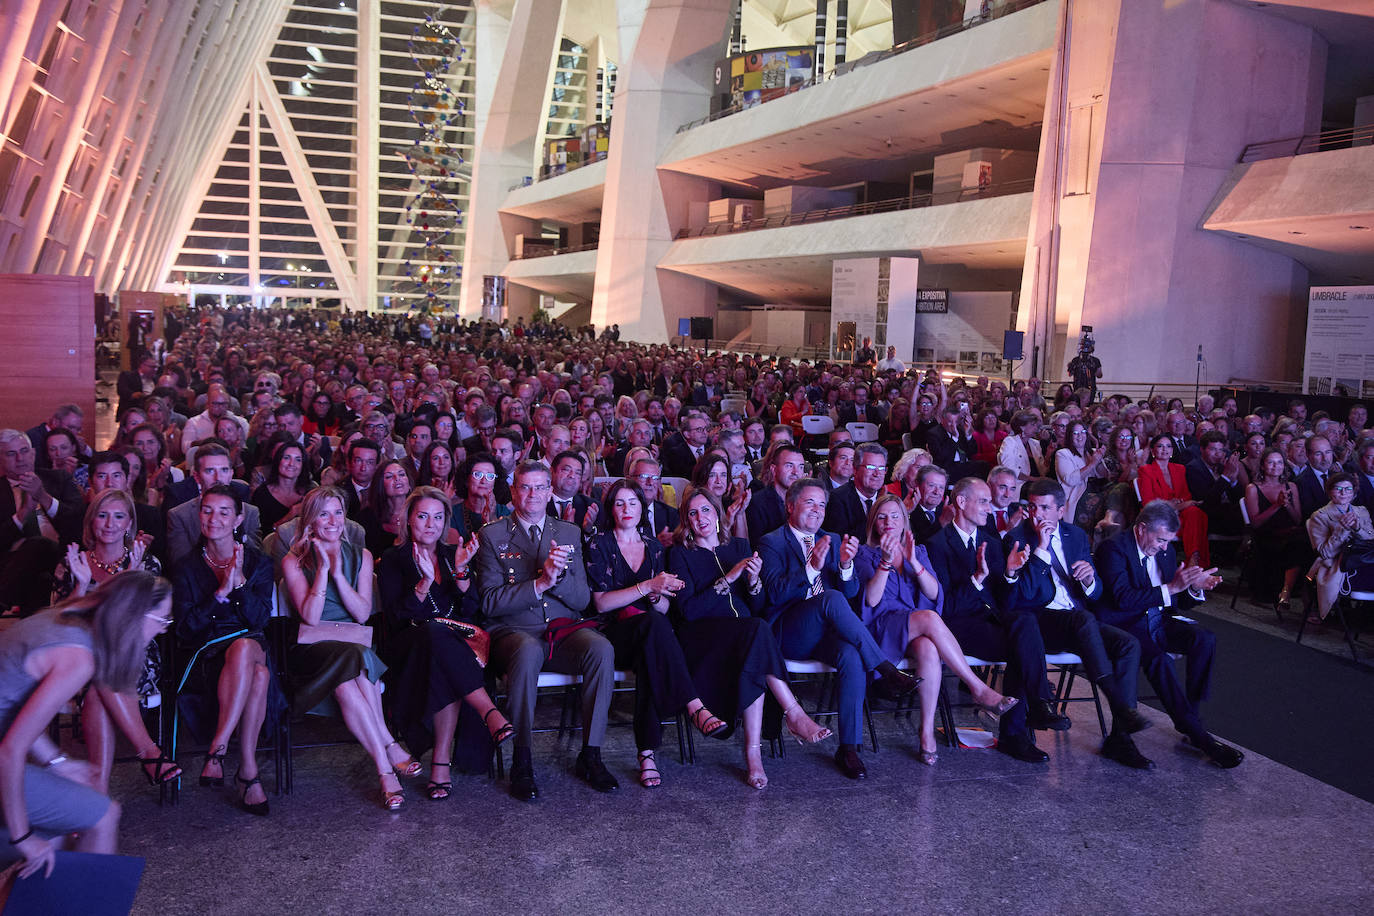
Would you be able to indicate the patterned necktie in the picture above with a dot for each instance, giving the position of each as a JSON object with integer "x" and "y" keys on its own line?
{"x": 818, "y": 586}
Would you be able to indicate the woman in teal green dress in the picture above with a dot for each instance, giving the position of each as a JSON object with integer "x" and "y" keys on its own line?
{"x": 333, "y": 664}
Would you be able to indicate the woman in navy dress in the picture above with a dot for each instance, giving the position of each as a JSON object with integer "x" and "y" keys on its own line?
{"x": 632, "y": 592}
{"x": 732, "y": 654}
{"x": 900, "y": 607}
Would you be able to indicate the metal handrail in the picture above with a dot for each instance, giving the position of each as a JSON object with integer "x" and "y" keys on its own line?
{"x": 877, "y": 56}
{"x": 910, "y": 202}
{"x": 540, "y": 252}
{"x": 1344, "y": 138}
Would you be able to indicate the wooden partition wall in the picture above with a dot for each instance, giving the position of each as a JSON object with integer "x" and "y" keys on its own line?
{"x": 47, "y": 347}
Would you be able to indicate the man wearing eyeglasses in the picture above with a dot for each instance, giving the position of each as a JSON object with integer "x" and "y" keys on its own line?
{"x": 681, "y": 451}
{"x": 529, "y": 572}
{"x": 202, "y": 425}
{"x": 480, "y": 441}
{"x": 850, "y": 504}
{"x": 659, "y": 519}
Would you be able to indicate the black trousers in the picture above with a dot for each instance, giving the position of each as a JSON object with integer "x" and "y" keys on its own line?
{"x": 26, "y": 579}
{"x": 1199, "y": 645}
{"x": 647, "y": 645}
{"x": 1011, "y": 638}
{"x": 1110, "y": 656}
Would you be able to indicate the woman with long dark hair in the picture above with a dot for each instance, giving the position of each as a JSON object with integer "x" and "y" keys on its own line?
{"x": 288, "y": 480}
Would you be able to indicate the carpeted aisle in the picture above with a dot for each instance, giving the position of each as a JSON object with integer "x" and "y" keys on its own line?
{"x": 1300, "y": 707}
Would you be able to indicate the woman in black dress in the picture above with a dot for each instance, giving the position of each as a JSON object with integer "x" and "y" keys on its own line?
{"x": 384, "y": 518}
{"x": 436, "y": 656}
{"x": 223, "y": 600}
{"x": 1280, "y": 545}
{"x": 288, "y": 480}
{"x": 631, "y": 591}
{"x": 731, "y": 653}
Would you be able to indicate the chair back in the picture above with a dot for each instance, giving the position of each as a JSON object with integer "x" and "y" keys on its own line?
{"x": 818, "y": 425}
{"x": 738, "y": 405}
{"x": 863, "y": 432}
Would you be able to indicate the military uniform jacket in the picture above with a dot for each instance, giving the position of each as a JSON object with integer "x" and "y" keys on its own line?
{"x": 507, "y": 565}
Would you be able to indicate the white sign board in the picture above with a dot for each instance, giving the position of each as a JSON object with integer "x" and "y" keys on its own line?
{"x": 1339, "y": 359}
{"x": 873, "y": 298}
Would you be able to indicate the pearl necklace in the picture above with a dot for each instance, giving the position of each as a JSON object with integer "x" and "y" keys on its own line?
{"x": 205, "y": 552}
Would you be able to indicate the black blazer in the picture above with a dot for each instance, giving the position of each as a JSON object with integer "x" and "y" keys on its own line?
{"x": 1218, "y": 498}
{"x": 71, "y": 509}
{"x": 665, "y": 516}
{"x": 765, "y": 513}
{"x": 1365, "y": 496}
{"x": 924, "y": 528}
{"x": 677, "y": 457}
{"x": 844, "y": 513}
{"x": 952, "y": 565}
{"x": 1311, "y": 493}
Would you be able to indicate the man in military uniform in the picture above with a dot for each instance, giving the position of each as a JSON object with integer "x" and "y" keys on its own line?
{"x": 530, "y": 571}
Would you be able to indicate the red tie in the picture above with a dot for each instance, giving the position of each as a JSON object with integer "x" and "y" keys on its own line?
{"x": 1001, "y": 517}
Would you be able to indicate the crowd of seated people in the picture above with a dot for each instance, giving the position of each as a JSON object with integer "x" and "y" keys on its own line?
{"x": 452, "y": 515}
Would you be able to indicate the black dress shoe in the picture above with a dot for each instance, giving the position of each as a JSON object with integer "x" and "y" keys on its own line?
{"x": 522, "y": 787}
{"x": 850, "y": 763}
{"x": 893, "y": 683}
{"x": 1122, "y": 749}
{"x": 593, "y": 772}
{"x": 1221, "y": 755}
{"x": 1043, "y": 717}
{"x": 1022, "y": 748}
{"x": 1130, "y": 721}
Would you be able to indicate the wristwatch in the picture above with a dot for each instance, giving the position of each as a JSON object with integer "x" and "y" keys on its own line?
{"x": 60, "y": 758}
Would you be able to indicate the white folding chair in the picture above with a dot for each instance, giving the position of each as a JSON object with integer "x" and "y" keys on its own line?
{"x": 809, "y": 666}
{"x": 863, "y": 432}
{"x": 817, "y": 425}
{"x": 1067, "y": 666}
{"x": 737, "y": 405}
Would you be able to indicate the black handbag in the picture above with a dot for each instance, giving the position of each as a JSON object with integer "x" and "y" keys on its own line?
{"x": 1357, "y": 555}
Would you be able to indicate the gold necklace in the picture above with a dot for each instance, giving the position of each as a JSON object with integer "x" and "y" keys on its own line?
{"x": 110, "y": 568}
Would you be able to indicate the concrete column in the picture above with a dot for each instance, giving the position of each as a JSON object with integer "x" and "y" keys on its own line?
{"x": 1150, "y": 102}
{"x": 515, "y": 58}
{"x": 665, "y": 83}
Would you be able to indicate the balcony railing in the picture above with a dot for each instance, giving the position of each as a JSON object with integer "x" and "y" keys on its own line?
{"x": 1345, "y": 138}
{"x": 540, "y": 252}
{"x": 873, "y": 58}
{"x": 911, "y": 202}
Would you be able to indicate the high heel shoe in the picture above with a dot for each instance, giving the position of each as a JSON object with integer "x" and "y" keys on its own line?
{"x": 408, "y": 767}
{"x": 438, "y": 791}
{"x": 258, "y": 808}
{"x": 502, "y": 734}
{"x": 999, "y": 709}
{"x": 755, "y": 780}
{"x": 820, "y": 734}
{"x": 164, "y": 769}
{"x": 928, "y": 758}
{"x": 216, "y": 758}
{"x": 703, "y": 719}
{"x": 390, "y": 800}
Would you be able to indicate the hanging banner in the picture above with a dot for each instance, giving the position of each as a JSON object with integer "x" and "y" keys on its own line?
{"x": 1339, "y": 358}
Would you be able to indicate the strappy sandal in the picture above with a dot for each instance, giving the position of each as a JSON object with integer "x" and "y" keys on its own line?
{"x": 502, "y": 734}
{"x": 164, "y": 769}
{"x": 408, "y": 767}
{"x": 703, "y": 719}
{"x": 646, "y": 767}
{"x": 258, "y": 808}
{"x": 760, "y": 780}
{"x": 820, "y": 734}
{"x": 212, "y": 757}
{"x": 438, "y": 791}
{"x": 390, "y": 800}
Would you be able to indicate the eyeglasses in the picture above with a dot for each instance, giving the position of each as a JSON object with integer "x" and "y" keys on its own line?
{"x": 1343, "y": 488}
{"x": 533, "y": 488}
{"x": 161, "y": 621}
{"x": 647, "y": 478}
{"x": 874, "y": 467}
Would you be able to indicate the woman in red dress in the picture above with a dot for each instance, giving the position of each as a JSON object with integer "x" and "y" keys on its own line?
{"x": 1161, "y": 480}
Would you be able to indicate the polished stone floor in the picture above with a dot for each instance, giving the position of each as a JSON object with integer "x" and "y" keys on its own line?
{"x": 979, "y": 832}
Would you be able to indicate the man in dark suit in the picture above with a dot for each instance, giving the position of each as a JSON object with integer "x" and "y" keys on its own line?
{"x": 847, "y": 512}
{"x": 1364, "y": 473}
{"x": 68, "y": 417}
{"x": 680, "y": 453}
{"x": 40, "y": 510}
{"x": 808, "y": 575}
{"x": 951, "y": 444}
{"x": 928, "y": 516}
{"x": 1185, "y": 446}
{"x": 1061, "y": 585}
{"x": 980, "y": 584}
{"x": 1145, "y": 586}
{"x": 858, "y": 409}
{"x": 569, "y": 503}
{"x": 708, "y": 393}
{"x": 659, "y": 519}
{"x": 767, "y": 508}
{"x": 1321, "y": 458}
{"x": 133, "y": 384}
{"x": 839, "y": 463}
{"x": 1214, "y": 481}
{"x": 480, "y": 441}
{"x": 530, "y": 571}
{"x": 641, "y": 435}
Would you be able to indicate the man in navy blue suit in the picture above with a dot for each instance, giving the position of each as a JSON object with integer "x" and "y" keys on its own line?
{"x": 1312, "y": 481}
{"x": 784, "y": 465}
{"x": 981, "y": 588}
{"x": 808, "y": 575}
{"x": 1145, "y": 586}
{"x": 1061, "y": 587}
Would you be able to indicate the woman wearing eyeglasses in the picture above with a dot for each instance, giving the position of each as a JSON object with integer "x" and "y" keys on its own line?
{"x": 731, "y": 653}
{"x": 223, "y": 604}
{"x": 113, "y": 544}
{"x": 479, "y": 505}
{"x": 45, "y": 661}
{"x": 1332, "y": 529}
